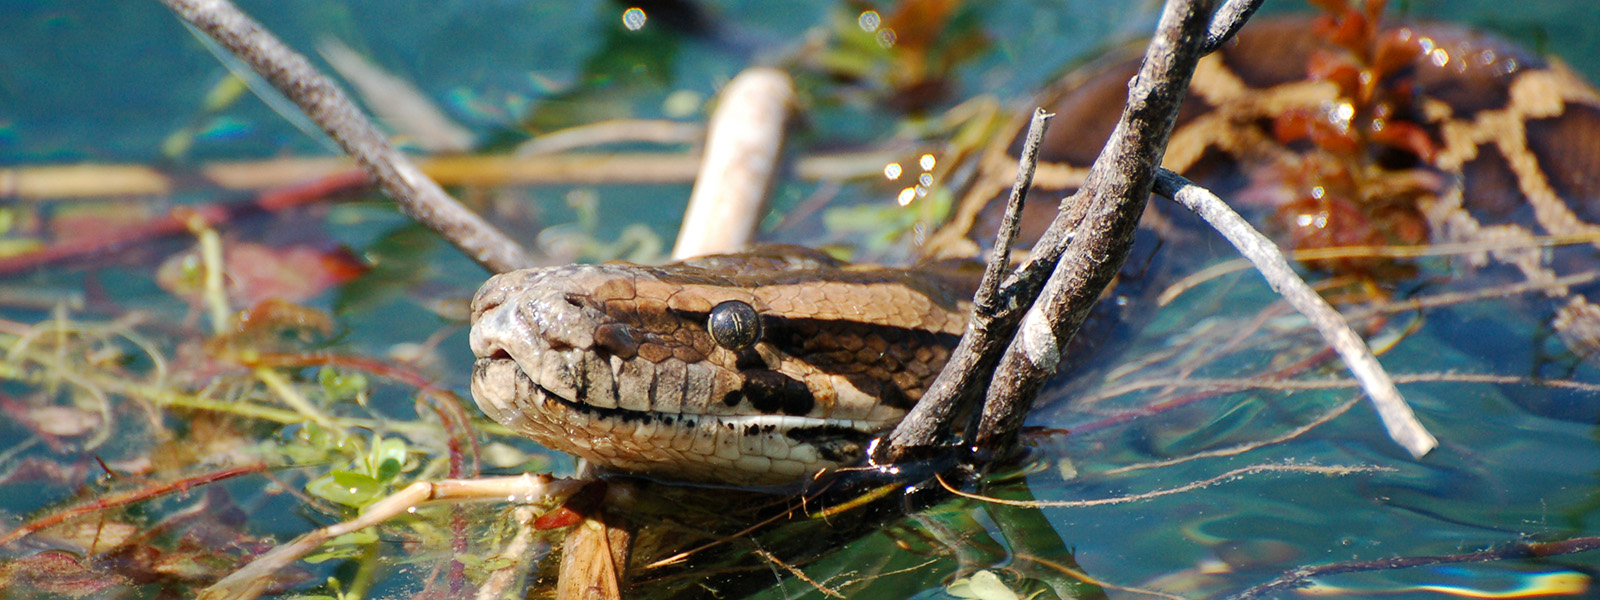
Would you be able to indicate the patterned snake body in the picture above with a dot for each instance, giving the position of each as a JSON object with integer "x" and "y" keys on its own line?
{"x": 767, "y": 367}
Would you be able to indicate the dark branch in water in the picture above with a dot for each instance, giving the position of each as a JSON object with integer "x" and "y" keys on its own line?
{"x": 418, "y": 196}
{"x": 1095, "y": 226}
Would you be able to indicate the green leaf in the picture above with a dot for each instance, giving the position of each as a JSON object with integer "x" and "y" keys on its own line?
{"x": 983, "y": 585}
{"x": 349, "y": 489}
{"x": 342, "y": 385}
{"x": 387, "y": 458}
{"x": 389, "y": 455}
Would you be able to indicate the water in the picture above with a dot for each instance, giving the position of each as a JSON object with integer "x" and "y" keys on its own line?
{"x": 125, "y": 83}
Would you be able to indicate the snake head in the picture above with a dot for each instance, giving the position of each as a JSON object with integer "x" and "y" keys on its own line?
{"x": 618, "y": 364}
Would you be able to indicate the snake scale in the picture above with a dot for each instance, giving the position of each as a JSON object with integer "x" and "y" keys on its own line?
{"x": 768, "y": 367}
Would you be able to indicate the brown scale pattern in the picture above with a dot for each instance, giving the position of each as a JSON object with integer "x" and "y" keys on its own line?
{"x": 614, "y": 363}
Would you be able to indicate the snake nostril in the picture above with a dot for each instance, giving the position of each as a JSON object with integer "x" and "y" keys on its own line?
{"x": 617, "y": 339}
{"x": 483, "y": 304}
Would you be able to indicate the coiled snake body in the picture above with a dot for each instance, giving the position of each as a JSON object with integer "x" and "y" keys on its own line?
{"x": 767, "y": 367}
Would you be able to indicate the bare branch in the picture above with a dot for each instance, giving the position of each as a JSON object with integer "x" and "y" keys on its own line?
{"x": 250, "y": 581}
{"x": 969, "y": 363}
{"x": 418, "y": 196}
{"x": 1096, "y": 225}
{"x": 1397, "y": 417}
{"x": 1230, "y": 18}
{"x": 1006, "y": 237}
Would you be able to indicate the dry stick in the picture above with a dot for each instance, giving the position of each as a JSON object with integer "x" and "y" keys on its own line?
{"x": 418, "y": 196}
{"x": 1101, "y": 217}
{"x": 1397, "y": 417}
{"x": 1230, "y": 18}
{"x": 921, "y": 428}
{"x": 594, "y": 559}
{"x": 251, "y": 580}
{"x": 744, "y": 141}
{"x": 981, "y": 343}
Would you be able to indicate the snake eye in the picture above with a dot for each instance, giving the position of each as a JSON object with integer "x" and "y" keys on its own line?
{"x": 734, "y": 325}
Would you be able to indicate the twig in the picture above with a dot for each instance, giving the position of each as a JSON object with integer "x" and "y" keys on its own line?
{"x": 125, "y": 498}
{"x": 614, "y": 131}
{"x": 1230, "y": 18}
{"x": 743, "y": 143}
{"x": 251, "y": 580}
{"x": 1299, "y": 577}
{"x": 520, "y": 552}
{"x": 980, "y": 344}
{"x": 1096, "y": 225}
{"x": 1006, "y": 237}
{"x": 1397, "y": 417}
{"x": 1236, "y": 450}
{"x": 1329, "y": 470}
{"x": 798, "y": 574}
{"x": 418, "y": 196}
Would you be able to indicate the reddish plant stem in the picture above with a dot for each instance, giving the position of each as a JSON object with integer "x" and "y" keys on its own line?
{"x": 178, "y": 220}
{"x": 126, "y": 498}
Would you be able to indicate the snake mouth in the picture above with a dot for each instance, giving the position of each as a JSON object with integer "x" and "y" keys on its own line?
{"x": 553, "y": 402}
{"x": 758, "y": 449}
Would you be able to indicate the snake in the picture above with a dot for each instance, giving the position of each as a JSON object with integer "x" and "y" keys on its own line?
{"x": 780, "y": 364}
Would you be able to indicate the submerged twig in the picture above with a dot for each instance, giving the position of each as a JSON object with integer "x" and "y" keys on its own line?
{"x": 585, "y": 165}
{"x": 418, "y": 196}
{"x": 1236, "y": 450}
{"x": 1299, "y": 577}
{"x": 1397, "y": 417}
{"x": 253, "y": 579}
{"x": 594, "y": 558}
{"x": 1329, "y": 470}
{"x": 396, "y": 102}
{"x": 123, "y": 499}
